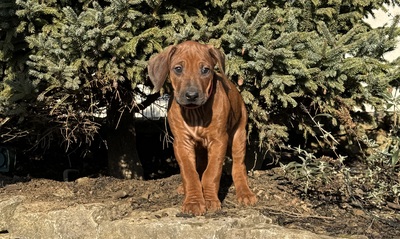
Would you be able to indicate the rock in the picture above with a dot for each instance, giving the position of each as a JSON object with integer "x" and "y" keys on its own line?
{"x": 119, "y": 194}
{"x": 254, "y": 225}
{"x": 7, "y": 210}
{"x": 71, "y": 222}
{"x": 20, "y": 219}
{"x": 82, "y": 181}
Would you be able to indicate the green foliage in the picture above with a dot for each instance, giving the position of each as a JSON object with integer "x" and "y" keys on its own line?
{"x": 380, "y": 180}
{"x": 313, "y": 173}
{"x": 303, "y": 67}
{"x": 14, "y": 83}
{"x": 302, "y": 54}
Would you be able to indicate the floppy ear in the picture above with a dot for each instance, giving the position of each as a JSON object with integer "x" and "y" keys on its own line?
{"x": 219, "y": 57}
{"x": 158, "y": 67}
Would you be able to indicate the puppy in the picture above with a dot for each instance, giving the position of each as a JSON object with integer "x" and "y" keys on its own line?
{"x": 208, "y": 118}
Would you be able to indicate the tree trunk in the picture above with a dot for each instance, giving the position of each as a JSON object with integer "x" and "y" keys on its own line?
{"x": 123, "y": 159}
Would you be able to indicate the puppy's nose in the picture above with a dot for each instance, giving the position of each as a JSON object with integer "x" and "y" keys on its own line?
{"x": 191, "y": 95}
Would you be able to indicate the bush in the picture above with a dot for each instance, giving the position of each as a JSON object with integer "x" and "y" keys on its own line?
{"x": 306, "y": 69}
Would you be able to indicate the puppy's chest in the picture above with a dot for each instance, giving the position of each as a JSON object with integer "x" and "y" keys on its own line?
{"x": 196, "y": 117}
{"x": 198, "y": 125}
{"x": 201, "y": 125}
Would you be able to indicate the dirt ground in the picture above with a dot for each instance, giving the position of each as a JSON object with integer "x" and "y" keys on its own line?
{"x": 278, "y": 200}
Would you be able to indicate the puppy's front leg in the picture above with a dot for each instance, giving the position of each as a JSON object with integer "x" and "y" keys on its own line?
{"x": 194, "y": 202}
{"x": 212, "y": 175}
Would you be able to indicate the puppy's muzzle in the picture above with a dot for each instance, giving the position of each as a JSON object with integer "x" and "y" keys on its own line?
{"x": 191, "y": 98}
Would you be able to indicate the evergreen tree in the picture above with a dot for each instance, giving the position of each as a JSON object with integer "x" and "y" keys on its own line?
{"x": 304, "y": 62}
{"x": 298, "y": 64}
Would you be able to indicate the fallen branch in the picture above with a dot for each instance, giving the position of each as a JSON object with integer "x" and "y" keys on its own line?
{"x": 297, "y": 215}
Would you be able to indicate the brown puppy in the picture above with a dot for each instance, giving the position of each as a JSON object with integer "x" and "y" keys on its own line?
{"x": 207, "y": 117}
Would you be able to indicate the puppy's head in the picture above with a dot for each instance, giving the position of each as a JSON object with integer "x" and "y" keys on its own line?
{"x": 190, "y": 67}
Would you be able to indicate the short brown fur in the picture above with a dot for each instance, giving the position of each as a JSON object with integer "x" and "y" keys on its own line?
{"x": 207, "y": 117}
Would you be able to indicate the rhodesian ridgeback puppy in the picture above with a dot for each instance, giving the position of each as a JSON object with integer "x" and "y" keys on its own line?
{"x": 207, "y": 118}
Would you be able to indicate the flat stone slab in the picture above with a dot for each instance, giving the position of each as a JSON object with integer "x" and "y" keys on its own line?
{"x": 20, "y": 219}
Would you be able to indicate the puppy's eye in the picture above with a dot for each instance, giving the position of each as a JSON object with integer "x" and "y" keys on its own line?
{"x": 178, "y": 69}
{"x": 205, "y": 70}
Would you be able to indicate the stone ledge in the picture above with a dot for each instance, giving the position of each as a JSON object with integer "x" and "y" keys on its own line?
{"x": 21, "y": 219}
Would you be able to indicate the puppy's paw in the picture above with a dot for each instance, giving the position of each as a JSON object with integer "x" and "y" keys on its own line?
{"x": 195, "y": 208}
{"x": 247, "y": 198}
{"x": 213, "y": 205}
